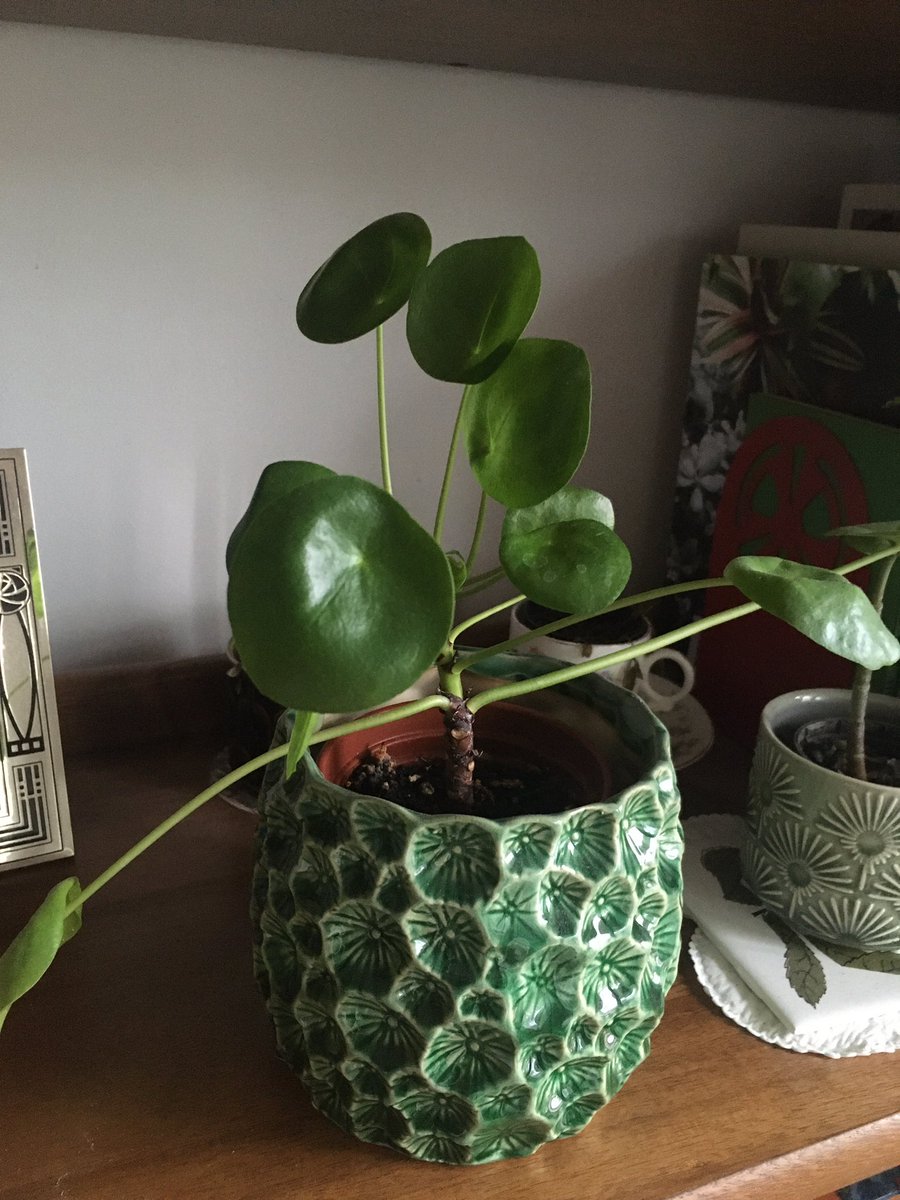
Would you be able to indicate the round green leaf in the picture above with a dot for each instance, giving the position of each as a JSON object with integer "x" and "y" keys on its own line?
{"x": 527, "y": 425}
{"x": 827, "y": 608}
{"x": 469, "y": 307}
{"x": 868, "y": 539}
{"x": 277, "y": 480}
{"x": 366, "y": 280}
{"x": 338, "y": 600}
{"x": 563, "y": 553}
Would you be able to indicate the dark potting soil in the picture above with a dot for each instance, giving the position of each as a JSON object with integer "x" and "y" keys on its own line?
{"x": 825, "y": 743}
{"x": 609, "y": 629}
{"x": 501, "y": 788}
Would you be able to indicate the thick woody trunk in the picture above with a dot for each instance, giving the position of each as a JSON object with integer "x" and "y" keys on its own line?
{"x": 460, "y": 757}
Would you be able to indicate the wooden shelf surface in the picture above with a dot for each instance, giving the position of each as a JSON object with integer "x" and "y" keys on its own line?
{"x": 143, "y": 1067}
{"x": 844, "y": 53}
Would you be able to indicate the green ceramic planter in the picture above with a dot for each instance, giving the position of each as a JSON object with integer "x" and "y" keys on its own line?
{"x": 464, "y": 990}
{"x": 822, "y": 850}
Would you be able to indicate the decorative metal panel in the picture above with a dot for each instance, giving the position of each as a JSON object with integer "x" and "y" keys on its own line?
{"x": 34, "y": 813}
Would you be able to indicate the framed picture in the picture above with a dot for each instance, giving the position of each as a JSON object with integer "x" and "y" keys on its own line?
{"x": 873, "y": 206}
{"x": 34, "y": 812}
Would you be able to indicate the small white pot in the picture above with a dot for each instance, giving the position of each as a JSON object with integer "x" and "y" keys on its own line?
{"x": 636, "y": 674}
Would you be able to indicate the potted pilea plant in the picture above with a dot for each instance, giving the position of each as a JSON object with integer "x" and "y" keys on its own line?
{"x": 822, "y": 844}
{"x": 467, "y": 960}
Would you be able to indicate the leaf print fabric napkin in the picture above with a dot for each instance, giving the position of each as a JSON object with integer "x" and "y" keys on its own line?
{"x": 813, "y": 990}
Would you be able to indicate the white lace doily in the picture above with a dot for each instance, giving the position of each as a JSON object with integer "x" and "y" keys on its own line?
{"x": 726, "y": 989}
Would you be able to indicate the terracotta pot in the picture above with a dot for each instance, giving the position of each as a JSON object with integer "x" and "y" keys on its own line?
{"x": 464, "y": 990}
{"x": 506, "y": 731}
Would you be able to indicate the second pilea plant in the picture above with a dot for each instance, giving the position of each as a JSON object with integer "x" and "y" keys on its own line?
{"x": 339, "y": 599}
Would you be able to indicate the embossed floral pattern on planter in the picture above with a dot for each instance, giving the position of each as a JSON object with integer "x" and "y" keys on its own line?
{"x": 822, "y": 850}
{"x": 465, "y": 990}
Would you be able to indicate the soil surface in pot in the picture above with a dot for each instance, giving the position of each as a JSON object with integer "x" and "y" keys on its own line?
{"x": 825, "y": 743}
{"x": 610, "y": 629}
{"x": 502, "y": 788}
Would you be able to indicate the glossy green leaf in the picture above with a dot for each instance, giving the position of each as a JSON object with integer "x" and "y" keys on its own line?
{"x": 563, "y": 553}
{"x": 277, "y": 480}
{"x": 33, "y": 949}
{"x": 366, "y": 280}
{"x": 527, "y": 425}
{"x": 304, "y": 727}
{"x": 827, "y": 608}
{"x": 868, "y": 539}
{"x": 469, "y": 307}
{"x": 338, "y": 600}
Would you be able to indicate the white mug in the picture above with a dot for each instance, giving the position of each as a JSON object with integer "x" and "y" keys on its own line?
{"x": 636, "y": 674}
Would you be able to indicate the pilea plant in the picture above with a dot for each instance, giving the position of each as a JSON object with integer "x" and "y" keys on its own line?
{"x": 339, "y": 599}
{"x": 880, "y": 535}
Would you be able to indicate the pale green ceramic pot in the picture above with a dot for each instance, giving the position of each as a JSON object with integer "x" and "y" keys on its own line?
{"x": 464, "y": 990}
{"x": 822, "y": 850}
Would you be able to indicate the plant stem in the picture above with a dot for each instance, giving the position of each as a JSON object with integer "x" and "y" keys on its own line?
{"x": 451, "y": 683}
{"x": 479, "y": 582}
{"x": 170, "y": 822}
{"x": 479, "y": 530}
{"x": 460, "y": 757}
{"x": 324, "y": 735}
{"x": 382, "y": 412}
{"x": 448, "y": 471}
{"x": 483, "y": 616}
{"x": 862, "y": 681}
{"x": 509, "y": 691}
{"x": 572, "y": 618}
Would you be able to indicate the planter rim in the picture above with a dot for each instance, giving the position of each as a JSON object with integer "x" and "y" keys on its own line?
{"x": 816, "y": 697}
{"x": 625, "y": 699}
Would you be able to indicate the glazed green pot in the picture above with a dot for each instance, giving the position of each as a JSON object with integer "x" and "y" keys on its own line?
{"x": 822, "y": 850}
{"x": 464, "y": 990}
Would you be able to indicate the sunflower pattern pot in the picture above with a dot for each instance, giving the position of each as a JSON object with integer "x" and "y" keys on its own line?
{"x": 464, "y": 990}
{"x": 821, "y": 849}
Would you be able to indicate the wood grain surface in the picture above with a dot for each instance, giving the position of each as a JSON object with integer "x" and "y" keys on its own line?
{"x": 143, "y": 1068}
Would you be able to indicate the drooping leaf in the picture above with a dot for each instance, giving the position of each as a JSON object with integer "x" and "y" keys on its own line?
{"x": 868, "y": 539}
{"x": 827, "y": 608}
{"x": 338, "y": 600}
{"x": 527, "y": 425}
{"x": 304, "y": 727}
{"x": 366, "y": 280}
{"x": 563, "y": 553}
{"x": 277, "y": 480}
{"x": 884, "y": 961}
{"x": 725, "y": 863}
{"x": 33, "y": 949}
{"x": 470, "y": 306}
{"x": 801, "y": 967}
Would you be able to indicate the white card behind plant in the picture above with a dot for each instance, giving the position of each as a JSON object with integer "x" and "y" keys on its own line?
{"x": 34, "y": 814}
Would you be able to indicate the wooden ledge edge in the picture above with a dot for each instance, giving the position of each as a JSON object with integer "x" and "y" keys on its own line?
{"x": 137, "y": 704}
{"x": 813, "y": 1171}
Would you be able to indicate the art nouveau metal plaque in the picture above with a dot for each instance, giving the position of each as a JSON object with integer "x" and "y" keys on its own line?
{"x": 34, "y": 814}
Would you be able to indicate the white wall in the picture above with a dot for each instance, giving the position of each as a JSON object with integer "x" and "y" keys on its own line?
{"x": 162, "y": 202}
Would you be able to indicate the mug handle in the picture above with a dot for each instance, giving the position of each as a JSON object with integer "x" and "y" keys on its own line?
{"x": 643, "y": 684}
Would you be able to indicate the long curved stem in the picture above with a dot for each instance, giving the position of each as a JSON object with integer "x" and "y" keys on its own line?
{"x": 479, "y": 582}
{"x": 382, "y": 412}
{"x": 483, "y": 616}
{"x": 479, "y": 531}
{"x": 370, "y": 721}
{"x": 509, "y": 691}
{"x": 448, "y": 471}
{"x": 659, "y": 593}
